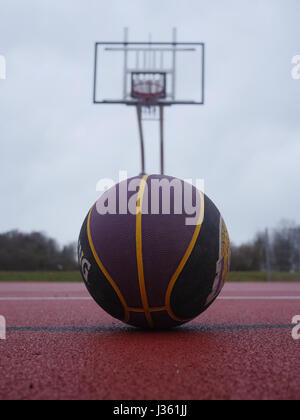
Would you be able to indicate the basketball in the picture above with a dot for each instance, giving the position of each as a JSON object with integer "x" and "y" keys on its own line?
{"x": 154, "y": 252}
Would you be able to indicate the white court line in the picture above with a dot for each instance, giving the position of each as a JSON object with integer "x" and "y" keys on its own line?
{"x": 259, "y": 298}
{"x": 61, "y": 298}
{"x": 32, "y": 299}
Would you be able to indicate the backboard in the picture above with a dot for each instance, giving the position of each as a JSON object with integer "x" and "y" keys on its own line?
{"x": 150, "y": 76}
{"x": 161, "y": 73}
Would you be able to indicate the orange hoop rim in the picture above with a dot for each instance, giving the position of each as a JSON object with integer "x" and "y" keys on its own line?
{"x": 159, "y": 91}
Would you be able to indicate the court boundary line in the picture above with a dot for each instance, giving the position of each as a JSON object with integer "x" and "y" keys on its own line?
{"x": 205, "y": 328}
{"x": 83, "y": 298}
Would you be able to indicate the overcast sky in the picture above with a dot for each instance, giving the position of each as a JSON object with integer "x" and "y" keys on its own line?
{"x": 55, "y": 145}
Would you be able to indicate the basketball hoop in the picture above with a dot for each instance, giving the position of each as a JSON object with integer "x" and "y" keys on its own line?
{"x": 149, "y": 73}
{"x": 148, "y": 88}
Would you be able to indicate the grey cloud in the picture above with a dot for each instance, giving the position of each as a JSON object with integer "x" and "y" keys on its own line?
{"x": 55, "y": 144}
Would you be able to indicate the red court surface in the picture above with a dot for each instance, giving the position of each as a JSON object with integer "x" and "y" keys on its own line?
{"x": 60, "y": 345}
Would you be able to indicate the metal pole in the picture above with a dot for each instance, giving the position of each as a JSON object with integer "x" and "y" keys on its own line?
{"x": 174, "y": 63}
{"x": 140, "y": 124}
{"x": 203, "y": 74}
{"x": 95, "y": 73}
{"x": 126, "y": 32}
{"x": 268, "y": 258}
{"x": 162, "y": 157}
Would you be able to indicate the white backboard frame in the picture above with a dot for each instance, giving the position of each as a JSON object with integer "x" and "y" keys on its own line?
{"x": 174, "y": 49}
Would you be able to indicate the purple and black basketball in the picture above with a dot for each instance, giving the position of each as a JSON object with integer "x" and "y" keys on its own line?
{"x": 154, "y": 252}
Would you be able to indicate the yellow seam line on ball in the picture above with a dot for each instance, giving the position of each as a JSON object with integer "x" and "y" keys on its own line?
{"x": 105, "y": 272}
{"x": 142, "y": 311}
{"x": 183, "y": 263}
{"x": 139, "y": 251}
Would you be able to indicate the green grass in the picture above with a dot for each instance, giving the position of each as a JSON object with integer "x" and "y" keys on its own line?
{"x": 40, "y": 276}
{"x": 74, "y": 276}
{"x": 259, "y": 276}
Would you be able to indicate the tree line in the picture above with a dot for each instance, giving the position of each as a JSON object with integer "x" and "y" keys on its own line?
{"x": 34, "y": 252}
{"x": 279, "y": 248}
